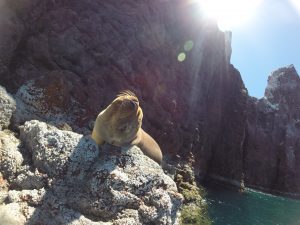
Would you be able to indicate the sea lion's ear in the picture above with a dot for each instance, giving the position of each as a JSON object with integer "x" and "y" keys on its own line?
{"x": 126, "y": 93}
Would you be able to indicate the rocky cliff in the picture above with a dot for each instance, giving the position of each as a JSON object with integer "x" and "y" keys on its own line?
{"x": 76, "y": 56}
{"x": 272, "y": 150}
{"x": 65, "y": 60}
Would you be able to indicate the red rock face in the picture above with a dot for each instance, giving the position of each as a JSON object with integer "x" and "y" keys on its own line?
{"x": 88, "y": 51}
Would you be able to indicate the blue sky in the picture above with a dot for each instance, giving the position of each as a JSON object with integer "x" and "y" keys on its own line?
{"x": 271, "y": 39}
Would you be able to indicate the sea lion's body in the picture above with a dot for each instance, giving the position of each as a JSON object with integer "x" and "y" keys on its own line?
{"x": 149, "y": 146}
{"x": 120, "y": 125}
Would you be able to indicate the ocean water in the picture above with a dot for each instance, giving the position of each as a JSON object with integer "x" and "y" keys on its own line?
{"x": 229, "y": 207}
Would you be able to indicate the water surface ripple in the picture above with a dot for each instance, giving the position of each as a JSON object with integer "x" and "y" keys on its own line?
{"x": 228, "y": 207}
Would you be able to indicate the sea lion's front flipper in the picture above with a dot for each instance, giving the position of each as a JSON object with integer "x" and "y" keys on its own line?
{"x": 96, "y": 136}
{"x": 149, "y": 146}
{"x": 97, "y": 139}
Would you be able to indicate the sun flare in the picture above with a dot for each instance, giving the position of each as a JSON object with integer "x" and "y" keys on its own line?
{"x": 296, "y": 4}
{"x": 229, "y": 13}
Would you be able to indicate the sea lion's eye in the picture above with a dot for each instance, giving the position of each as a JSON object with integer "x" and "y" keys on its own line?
{"x": 132, "y": 104}
{"x": 118, "y": 102}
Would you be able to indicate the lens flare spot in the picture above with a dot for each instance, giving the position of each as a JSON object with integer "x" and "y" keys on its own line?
{"x": 188, "y": 45}
{"x": 181, "y": 57}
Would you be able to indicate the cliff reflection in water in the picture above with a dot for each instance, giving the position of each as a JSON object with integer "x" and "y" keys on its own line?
{"x": 228, "y": 207}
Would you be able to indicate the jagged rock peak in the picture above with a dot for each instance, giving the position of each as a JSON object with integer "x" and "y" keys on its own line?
{"x": 228, "y": 49}
{"x": 282, "y": 82}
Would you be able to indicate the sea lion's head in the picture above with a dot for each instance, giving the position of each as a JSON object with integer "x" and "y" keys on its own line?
{"x": 126, "y": 104}
{"x": 125, "y": 118}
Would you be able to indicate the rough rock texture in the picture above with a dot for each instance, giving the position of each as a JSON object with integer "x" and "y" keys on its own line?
{"x": 11, "y": 30}
{"x": 93, "y": 49}
{"x": 7, "y": 108}
{"x": 273, "y": 135}
{"x": 52, "y": 149}
{"x": 10, "y": 156}
{"x": 66, "y": 60}
{"x": 11, "y": 214}
{"x": 75, "y": 183}
{"x": 48, "y": 100}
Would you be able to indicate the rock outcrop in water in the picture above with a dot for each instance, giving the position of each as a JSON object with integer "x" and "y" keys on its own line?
{"x": 273, "y": 143}
{"x": 66, "y": 60}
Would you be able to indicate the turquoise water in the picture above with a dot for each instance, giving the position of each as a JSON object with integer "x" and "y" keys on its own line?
{"x": 228, "y": 207}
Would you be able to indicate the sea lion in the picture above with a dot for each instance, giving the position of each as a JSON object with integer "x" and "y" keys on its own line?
{"x": 120, "y": 124}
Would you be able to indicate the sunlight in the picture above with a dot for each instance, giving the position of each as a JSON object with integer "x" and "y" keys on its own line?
{"x": 296, "y": 4}
{"x": 229, "y": 13}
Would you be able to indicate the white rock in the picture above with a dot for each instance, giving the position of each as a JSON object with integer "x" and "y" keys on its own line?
{"x": 11, "y": 215}
{"x": 10, "y": 157}
{"x": 7, "y": 107}
{"x": 92, "y": 186}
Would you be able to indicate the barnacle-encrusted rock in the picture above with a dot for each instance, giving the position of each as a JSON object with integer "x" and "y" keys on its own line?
{"x": 7, "y": 107}
{"x": 48, "y": 100}
{"x": 78, "y": 184}
{"x": 55, "y": 151}
{"x": 30, "y": 180}
{"x": 10, "y": 156}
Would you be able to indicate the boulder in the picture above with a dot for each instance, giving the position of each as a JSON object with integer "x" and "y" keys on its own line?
{"x": 49, "y": 100}
{"x": 66, "y": 61}
{"x": 82, "y": 184}
{"x": 11, "y": 158}
{"x": 7, "y": 108}
{"x": 73, "y": 57}
{"x": 272, "y": 151}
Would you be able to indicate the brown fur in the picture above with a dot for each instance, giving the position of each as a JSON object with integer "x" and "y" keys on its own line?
{"x": 120, "y": 125}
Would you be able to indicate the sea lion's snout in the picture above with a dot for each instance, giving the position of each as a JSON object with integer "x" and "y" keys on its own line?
{"x": 130, "y": 104}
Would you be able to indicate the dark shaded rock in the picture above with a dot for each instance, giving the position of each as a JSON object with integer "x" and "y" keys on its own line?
{"x": 272, "y": 158}
{"x": 11, "y": 29}
{"x": 104, "y": 47}
{"x": 283, "y": 86}
{"x": 66, "y": 60}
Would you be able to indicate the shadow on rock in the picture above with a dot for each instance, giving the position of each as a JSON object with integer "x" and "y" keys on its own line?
{"x": 85, "y": 186}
